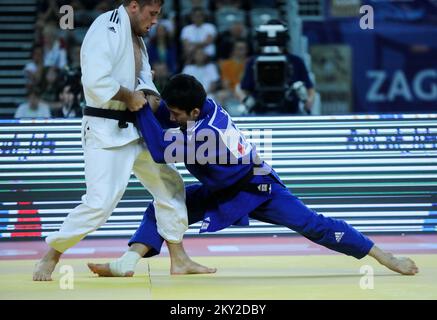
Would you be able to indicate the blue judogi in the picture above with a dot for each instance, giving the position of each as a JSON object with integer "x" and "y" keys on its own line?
{"x": 232, "y": 191}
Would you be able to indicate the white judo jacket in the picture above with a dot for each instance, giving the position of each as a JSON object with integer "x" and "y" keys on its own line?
{"x": 108, "y": 62}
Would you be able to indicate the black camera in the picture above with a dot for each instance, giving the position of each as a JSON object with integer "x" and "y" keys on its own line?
{"x": 272, "y": 34}
{"x": 273, "y": 71}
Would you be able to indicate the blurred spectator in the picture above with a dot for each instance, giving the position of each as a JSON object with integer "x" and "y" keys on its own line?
{"x": 33, "y": 108}
{"x": 199, "y": 34}
{"x": 50, "y": 87}
{"x": 104, "y": 6}
{"x": 161, "y": 75}
{"x": 232, "y": 70}
{"x": 70, "y": 106}
{"x": 93, "y": 4}
{"x": 33, "y": 70}
{"x": 263, "y": 3}
{"x": 226, "y": 40}
{"x": 47, "y": 14}
{"x": 204, "y": 71}
{"x": 74, "y": 57}
{"x": 219, "y": 4}
{"x": 48, "y": 11}
{"x": 82, "y": 15}
{"x": 187, "y": 7}
{"x": 54, "y": 54}
{"x": 168, "y": 21}
{"x": 200, "y": 4}
{"x": 162, "y": 49}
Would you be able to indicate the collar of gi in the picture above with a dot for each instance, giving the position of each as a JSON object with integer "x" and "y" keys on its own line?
{"x": 207, "y": 109}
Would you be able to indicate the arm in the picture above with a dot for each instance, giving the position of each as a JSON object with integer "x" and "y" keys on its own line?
{"x": 163, "y": 116}
{"x": 212, "y": 34}
{"x": 209, "y": 40}
{"x": 247, "y": 83}
{"x": 156, "y": 138}
{"x": 133, "y": 100}
{"x": 310, "y": 101}
{"x": 214, "y": 75}
{"x": 246, "y": 88}
{"x": 305, "y": 77}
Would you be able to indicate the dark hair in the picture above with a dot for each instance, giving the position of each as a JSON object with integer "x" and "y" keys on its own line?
{"x": 168, "y": 37}
{"x": 35, "y": 90}
{"x": 198, "y": 9}
{"x": 184, "y": 92}
{"x": 36, "y": 47}
{"x": 143, "y": 3}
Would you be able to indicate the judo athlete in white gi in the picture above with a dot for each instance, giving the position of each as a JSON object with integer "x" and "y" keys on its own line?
{"x": 230, "y": 192}
{"x": 115, "y": 69}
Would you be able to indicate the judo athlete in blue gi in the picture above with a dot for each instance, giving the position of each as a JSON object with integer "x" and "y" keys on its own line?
{"x": 235, "y": 184}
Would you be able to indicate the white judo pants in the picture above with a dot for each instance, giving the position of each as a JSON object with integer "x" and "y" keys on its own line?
{"x": 107, "y": 173}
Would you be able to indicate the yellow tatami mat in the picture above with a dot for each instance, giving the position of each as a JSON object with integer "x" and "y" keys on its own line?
{"x": 268, "y": 277}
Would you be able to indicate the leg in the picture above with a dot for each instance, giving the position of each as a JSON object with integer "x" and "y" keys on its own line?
{"x": 45, "y": 267}
{"x": 287, "y": 210}
{"x": 106, "y": 181}
{"x": 147, "y": 242}
{"x": 182, "y": 264}
{"x": 166, "y": 186}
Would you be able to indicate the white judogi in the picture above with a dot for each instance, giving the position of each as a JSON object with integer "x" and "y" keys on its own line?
{"x": 111, "y": 153}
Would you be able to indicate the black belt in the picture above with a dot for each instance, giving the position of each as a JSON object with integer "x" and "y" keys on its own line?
{"x": 123, "y": 117}
{"x": 240, "y": 185}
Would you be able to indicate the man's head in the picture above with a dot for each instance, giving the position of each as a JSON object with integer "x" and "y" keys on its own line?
{"x": 66, "y": 96}
{"x": 37, "y": 54}
{"x": 143, "y": 14}
{"x": 33, "y": 98}
{"x": 240, "y": 49}
{"x": 238, "y": 29}
{"x": 198, "y": 16}
{"x": 184, "y": 96}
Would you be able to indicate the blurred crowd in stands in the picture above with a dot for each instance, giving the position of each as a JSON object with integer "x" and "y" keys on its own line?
{"x": 211, "y": 40}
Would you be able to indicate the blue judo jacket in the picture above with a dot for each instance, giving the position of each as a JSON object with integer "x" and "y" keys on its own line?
{"x": 215, "y": 152}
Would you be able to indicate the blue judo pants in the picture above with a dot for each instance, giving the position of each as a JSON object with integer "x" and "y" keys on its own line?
{"x": 282, "y": 209}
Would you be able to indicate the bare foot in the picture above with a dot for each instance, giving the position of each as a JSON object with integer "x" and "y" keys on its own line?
{"x": 190, "y": 267}
{"x": 43, "y": 270}
{"x": 402, "y": 265}
{"x": 182, "y": 264}
{"x": 103, "y": 270}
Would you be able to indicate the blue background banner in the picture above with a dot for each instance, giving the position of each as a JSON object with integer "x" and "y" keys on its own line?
{"x": 394, "y": 65}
